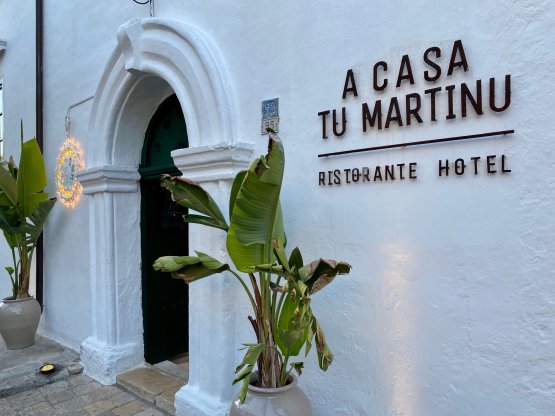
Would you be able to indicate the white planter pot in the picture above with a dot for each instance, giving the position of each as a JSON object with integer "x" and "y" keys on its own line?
{"x": 19, "y": 319}
{"x": 288, "y": 400}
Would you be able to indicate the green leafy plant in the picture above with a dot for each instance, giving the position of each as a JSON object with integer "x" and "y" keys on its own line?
{"x": 279, "y": 286}
{"x": 24, "y": 207}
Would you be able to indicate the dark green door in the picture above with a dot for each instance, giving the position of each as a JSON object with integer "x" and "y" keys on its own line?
{"x": 163, "y": 233}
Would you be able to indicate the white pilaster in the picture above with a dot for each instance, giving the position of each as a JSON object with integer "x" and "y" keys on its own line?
{"x": 213, "y": 302}
{"x": 116, "y": 343}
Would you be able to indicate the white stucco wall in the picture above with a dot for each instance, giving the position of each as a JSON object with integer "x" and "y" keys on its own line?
{"x": 449, "y": 308}
{"x": 78, "y": 41}
{"x": 17, "y": 68}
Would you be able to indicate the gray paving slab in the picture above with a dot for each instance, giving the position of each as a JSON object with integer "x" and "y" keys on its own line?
{"x": 85, "y": 397}
{"x": 19, "y": 368}
{"x": 67, "y": 392}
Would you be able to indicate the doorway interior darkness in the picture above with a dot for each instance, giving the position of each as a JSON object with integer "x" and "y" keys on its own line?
{"x": 163, "y": 232}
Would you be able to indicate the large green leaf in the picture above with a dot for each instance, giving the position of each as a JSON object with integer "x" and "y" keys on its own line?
{"x": 10, "y": 217}
{"x": 281, "y": 256}
{"x": 9, "y": 220}
{"x": 203, "y": 220}
{"x": 24, "y": 207}
{"x": 190, "y": 268}
{"x": 8, "y": 186}
{"x": 174, "y": 263}
{"x": 35, "y": 222}
{"x": 12, "y": 168}
{"x": 191, "y": 195}
{"x": 279, "y": 230}
{"x": 210, "y": 262}
{"x": 31, "y": 179}
{"x": 247, "y": 365}
{"x": 11, "y": 238}
{"x": 256, "y": 217}
{"x": 294, "y": 320}
{"x": 296, "y": 259}
{"x": 237, "y": 182}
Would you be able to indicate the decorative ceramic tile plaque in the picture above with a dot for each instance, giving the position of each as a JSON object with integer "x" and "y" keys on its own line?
{"x": 270, "y": 115}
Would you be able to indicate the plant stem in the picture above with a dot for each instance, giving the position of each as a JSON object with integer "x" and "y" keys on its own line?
{"x": 284, "y": 372}
{"x": 268, "y": 363}
{"x": 274, "y": 303}
{"x": 281, "y": 299}
{"x": 23, "y": 289}
{"x": 256, "y": 292}
{"x": 15, "y": 278}
{"x": 268, "y": 295}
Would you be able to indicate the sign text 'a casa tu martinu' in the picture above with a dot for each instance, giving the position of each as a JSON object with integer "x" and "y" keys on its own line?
{"x": 429, "y": 105}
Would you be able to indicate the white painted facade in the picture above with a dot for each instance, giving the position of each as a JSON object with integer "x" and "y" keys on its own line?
{"x": 450, "y": 306}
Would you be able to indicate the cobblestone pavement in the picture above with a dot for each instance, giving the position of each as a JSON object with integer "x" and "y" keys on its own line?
{"x": 78, "y": 395}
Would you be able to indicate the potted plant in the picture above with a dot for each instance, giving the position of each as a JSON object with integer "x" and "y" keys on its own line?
{"x": 24, "y": 207}
{"x": 279, "y": 286}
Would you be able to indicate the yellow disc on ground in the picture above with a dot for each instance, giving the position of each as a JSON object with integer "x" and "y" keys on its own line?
{"x": 47, "y": 368}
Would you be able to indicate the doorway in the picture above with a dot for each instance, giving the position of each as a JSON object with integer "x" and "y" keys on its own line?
{"x": 163, "y": 233}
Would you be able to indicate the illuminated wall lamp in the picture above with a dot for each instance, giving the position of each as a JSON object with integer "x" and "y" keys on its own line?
{"x": 70, "y": 161}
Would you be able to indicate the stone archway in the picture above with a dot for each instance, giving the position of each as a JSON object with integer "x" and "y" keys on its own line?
{"x": 153, "y": 59}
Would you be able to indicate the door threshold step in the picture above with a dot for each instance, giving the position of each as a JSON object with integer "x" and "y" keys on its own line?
{"x": 178, "y": 371}
{"x": 153, "y": 384}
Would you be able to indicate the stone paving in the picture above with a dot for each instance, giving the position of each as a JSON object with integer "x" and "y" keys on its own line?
{"x": 76, "y": 396}
{"x": 19, "y": 368}
{"x": 25, "y": 392}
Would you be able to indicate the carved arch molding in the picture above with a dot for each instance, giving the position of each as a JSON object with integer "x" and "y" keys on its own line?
{"x": 154, "y": 58}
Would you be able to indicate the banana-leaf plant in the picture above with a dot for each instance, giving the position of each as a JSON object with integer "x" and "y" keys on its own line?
{"x": 24, "y": 207}
{"x": 279, "y": 286}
